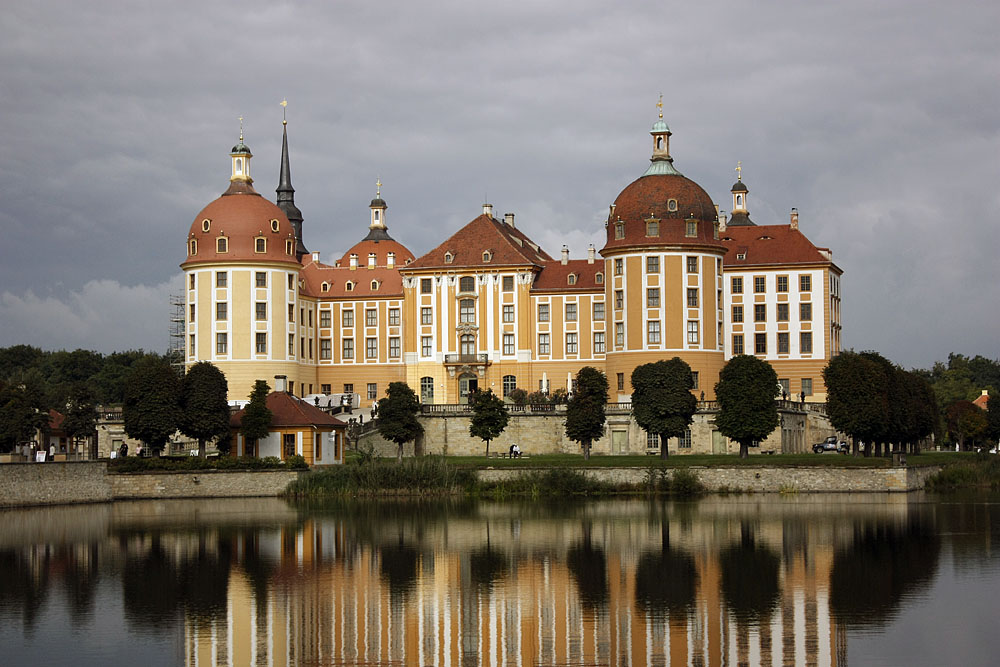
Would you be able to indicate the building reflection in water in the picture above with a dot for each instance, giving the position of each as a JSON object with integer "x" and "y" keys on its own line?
{"x": 723, "y": 581}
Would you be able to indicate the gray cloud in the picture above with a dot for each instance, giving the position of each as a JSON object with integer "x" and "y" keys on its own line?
{"x": 876, "y": 120}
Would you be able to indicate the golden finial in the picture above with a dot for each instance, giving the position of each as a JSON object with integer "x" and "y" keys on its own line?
{"x": 241, "y": 129}
{"x": 284, "y": 103}
{"x": 659, "y": 106}
{"x": 378, "y": 188}
{"x": 739, "y": 170}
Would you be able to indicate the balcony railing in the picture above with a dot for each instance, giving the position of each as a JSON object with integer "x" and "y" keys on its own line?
{"x": 622, "y": 408}
{"x": 467, "y": 358}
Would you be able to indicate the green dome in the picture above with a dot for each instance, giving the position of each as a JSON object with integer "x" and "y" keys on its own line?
{"x": 240, "y": 148}
{"x": 659, "y": 126}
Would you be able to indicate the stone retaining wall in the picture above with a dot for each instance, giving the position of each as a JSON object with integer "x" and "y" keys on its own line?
{"x": 53, "y": 483}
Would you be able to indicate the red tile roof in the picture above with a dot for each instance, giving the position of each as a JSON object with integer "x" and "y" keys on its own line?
{"x": 287, "y": 410}
{"x": 507, "y": 245}
{"x": 554, "y": 276}
{"x": 315, "y": 274}
{"x": 769, "y": 244}
{"x": 56, "y": 420}
{"x": 982, "y": 401}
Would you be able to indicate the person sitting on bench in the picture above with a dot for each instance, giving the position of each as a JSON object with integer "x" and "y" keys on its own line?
{"x": 515, "y": 451}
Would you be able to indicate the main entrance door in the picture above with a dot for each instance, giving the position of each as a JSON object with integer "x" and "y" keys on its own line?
{"x": 467, "y": 383}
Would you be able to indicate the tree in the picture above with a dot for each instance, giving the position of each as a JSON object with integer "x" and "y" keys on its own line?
{"x": 856, "y": 400}
{"x": 22, "y": 412}
{"x": 745, "y": 392}
{"x": 204, "y": 404}
{"x": 585, "y": 411}
{"x": 255, "y": 423}
{"x": 81, "y": 415}
{"x": 489, "y": 416}
{"x": 397, "y": 416}
{"x": 150, "y": 410}
{"x": 965, "y": 421}
{"x": 662, "y": 402}
{"x": 993, "y": 419}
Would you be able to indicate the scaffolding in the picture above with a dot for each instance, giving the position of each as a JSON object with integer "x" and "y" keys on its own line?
{"x": 178, "y": 326}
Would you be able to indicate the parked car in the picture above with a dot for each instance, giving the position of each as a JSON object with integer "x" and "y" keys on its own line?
{"x": 831, "y": 444}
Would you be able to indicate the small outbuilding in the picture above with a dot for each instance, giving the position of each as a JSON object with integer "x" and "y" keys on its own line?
{"x": 297, "y": 428}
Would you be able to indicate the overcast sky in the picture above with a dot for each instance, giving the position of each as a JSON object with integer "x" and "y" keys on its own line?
{"x": 877, "y": 120}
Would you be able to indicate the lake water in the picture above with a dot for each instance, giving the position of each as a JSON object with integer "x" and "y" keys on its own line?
{"x": 761, "y": 580}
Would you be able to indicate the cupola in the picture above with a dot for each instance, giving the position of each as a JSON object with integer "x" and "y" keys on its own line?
{"x": 240, "y": 156}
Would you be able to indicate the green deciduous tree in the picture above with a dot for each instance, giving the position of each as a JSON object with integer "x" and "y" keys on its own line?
{"x": 255, "y": 423}
{"x": 22, "y": 411}
{"x": 151, "y": 410}
{"x": 585, "y": 411}
{"x": 489, "y": 416}
{"x": 662, "y": 402}
{"x": 966, "y": 423}
{"x": 993, "y": 418}
{"x": 397, "y": 416}
{"x": 746, "y": 391}
{"x": 856, "y": 400}
{"x": 81, "y": 414}
{"x": 204, "y": 404}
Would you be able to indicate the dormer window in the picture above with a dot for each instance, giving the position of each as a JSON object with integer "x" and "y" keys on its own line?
{"x": 193, "y": 247}
{"x": 349, "y": 286}
{"x": 325, "y": 287}
{"x": 652, "y": 228}
{"x": 260, "y": 245}
{"x": 448, "y": 257}
{"x": 691, "y": 228}
{"x": 599, "y": 278}
{"x": 671, "y": 205}
{"x": 274, "y": 225}
{"x": 222, "y": 244}
{"x": 289, "y": 247}
{"x": 764, "y": 238}
{"x": 206, "y": 224}
{"x": 487, "y": 256}
{"x": 741, "y": 255}
{"x": 374, "y": 285}
{"x": 619, "y": 230}
{"x": 571, "y": 279}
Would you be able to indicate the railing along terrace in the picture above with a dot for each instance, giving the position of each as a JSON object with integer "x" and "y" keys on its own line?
{"x": 466, "y": 358}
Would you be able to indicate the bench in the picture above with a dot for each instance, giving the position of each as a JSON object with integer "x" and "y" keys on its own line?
{"x": 650, "y": 451}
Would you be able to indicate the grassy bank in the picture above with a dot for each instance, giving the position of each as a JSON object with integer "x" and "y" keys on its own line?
{"x": 973, "y": 472}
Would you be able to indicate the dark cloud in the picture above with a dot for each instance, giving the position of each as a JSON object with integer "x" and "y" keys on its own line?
{"x": 876, "y": 120}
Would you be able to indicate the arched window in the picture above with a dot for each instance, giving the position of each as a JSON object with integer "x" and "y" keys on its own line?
{"x": 571, "y": 279}
{"x": 509, "y": 384}
{"x": 349, "y": 286}
{"x": 467, "y": 284}
{"x": 427, "y": 389}
{"x": 222, "y": 244}
{"x": 289, "y": 247}
{"x": 487, "y": 256}
{"x": 448, "y": 257}
{"x": 374, "y": 285}
{"x": 467, "y": 311}
{"x": 260, "y": 244}
{"x": 193, "y": 247}
{"x": 599, "y": 278}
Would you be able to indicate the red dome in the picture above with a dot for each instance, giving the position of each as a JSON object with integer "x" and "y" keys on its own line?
{"x": 672, "y": 199}
{"x": 241, "y": 216}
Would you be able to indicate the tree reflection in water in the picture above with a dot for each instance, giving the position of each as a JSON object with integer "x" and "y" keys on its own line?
{"x": 24, "y": 583}
{"x": 883, "y": 565}
{"x": 749, "y": 578}
{"x": 589, "y": 568}
{"x": 665, "y": 581}
{"x": 398, "y": 567}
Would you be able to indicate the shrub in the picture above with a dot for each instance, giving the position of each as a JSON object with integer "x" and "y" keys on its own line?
{"x": 685, "y": 484}
{"x": 518, "y": 396}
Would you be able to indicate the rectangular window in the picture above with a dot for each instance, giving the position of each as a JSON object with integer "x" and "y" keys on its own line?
{"x": 425, "y": 315}
{"x": 291, "y": 312}
{"x": 758, "y": 284}
{"x": 693, "y": 332}
{"x": 508, "y": 313}
{"x": 543, "y": 312}
{"x": 737, "y": 313}
{"x": 694, "y": 380}
{"x": 692, "y": 265}
{"x": 571, "y": 312}
{"x": 619, "y": 299}
{"x": 302, "y": 352}
{"x": 653, "y": 297}
{"x": 371, "y": 317}
{"x": 326, "y": 388}
{"x": 467, "y": 284}
{"x": 348, "y": 387}
{"x": 619, "y": 230}
{"x": 571, "y": 343}
{"x": 599, "y": 342}
{"x": 805, "y": 342}
{"x": 805, "y": 283}
{"x": 807, "y": 386}
{"x": 191, "y": 313}
{"x": 191, "y": 281}
{"x": 619, "y": 266}
{"x": 692, "y": 297}
{"x": 782, "y": 283}
{"x": 652, "y": 228}
{"x": 291, "y": 281}
{"x": 222, "y": 311}
{"x": 324, "y": 318}
{"x": 543, "y": 344}
{"x": 372, "y": 391}
{"x": 508, "y": 344}
{"x": 598, "y": 311}
{"x": 467, "y": 311}
{"x": 221, "y": 279}
{"x": 261, "y": 310}
{"x": 310, "y": 317}
{"x": 261, "y": 343}
{"x": 509, "y": 384}
{"x": 427, "y": 389}
{"x": 426, "y": 346}
{"x": 783, "y": 342}
{"x": 619, "y": 334}
{"x": 221, "y": 343}
{"x": 394, "y": 349}
{"x": 394, "y": 317}
{"x": 291, "y": 345}
{"x": 760, "y": 343}
{"x": 310, "y": 348}
{"x": 736, "y": 284}
{"x": 347, "y": 347}
{"x": 759, "y": 312}
{"x": 302, "y": 315}
{"x": 348, "y": 317}
{"x": 684, "y": 441}
{"x": 325, "y": 351}
{"x": 426, "y": 285}
{"x": 781, "y": 313}
{"x": 737, "y": 344}
{"x": 371, "y": 348}
{"x": 621, "y": 382}
{"x": 508, "y": 283}
{"x": 653, "y": 264}
{"x": 653, "y": 332}
{"x": 260, "y": 279}
{"x": 191, "y": 348}
{"x": 805, "y": 312}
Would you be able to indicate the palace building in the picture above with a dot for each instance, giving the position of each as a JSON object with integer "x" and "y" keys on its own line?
{"x": 489, "y": 308}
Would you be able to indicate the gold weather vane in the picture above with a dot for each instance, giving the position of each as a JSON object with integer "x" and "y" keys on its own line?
{"x": 378, "y": 188}
{"x": 739, "y": 170}
{"x": 284, "y": 104}
{"x": 659, "y": 106}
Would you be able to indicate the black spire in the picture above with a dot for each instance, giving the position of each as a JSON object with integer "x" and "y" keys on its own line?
{"x": 286, "y": 195}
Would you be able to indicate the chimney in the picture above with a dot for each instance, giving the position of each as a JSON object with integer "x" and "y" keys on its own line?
{"x": 488, "y": 209}
{"x": 794, "y": 219}
{"x": 316, "y": 257}
{"x": 565, "y": 255}
{"x": 281, "y": 383}
{"x": 509, "y": 218}
{"x": 591, "y": 253}
{"x": 722, "y": 221}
